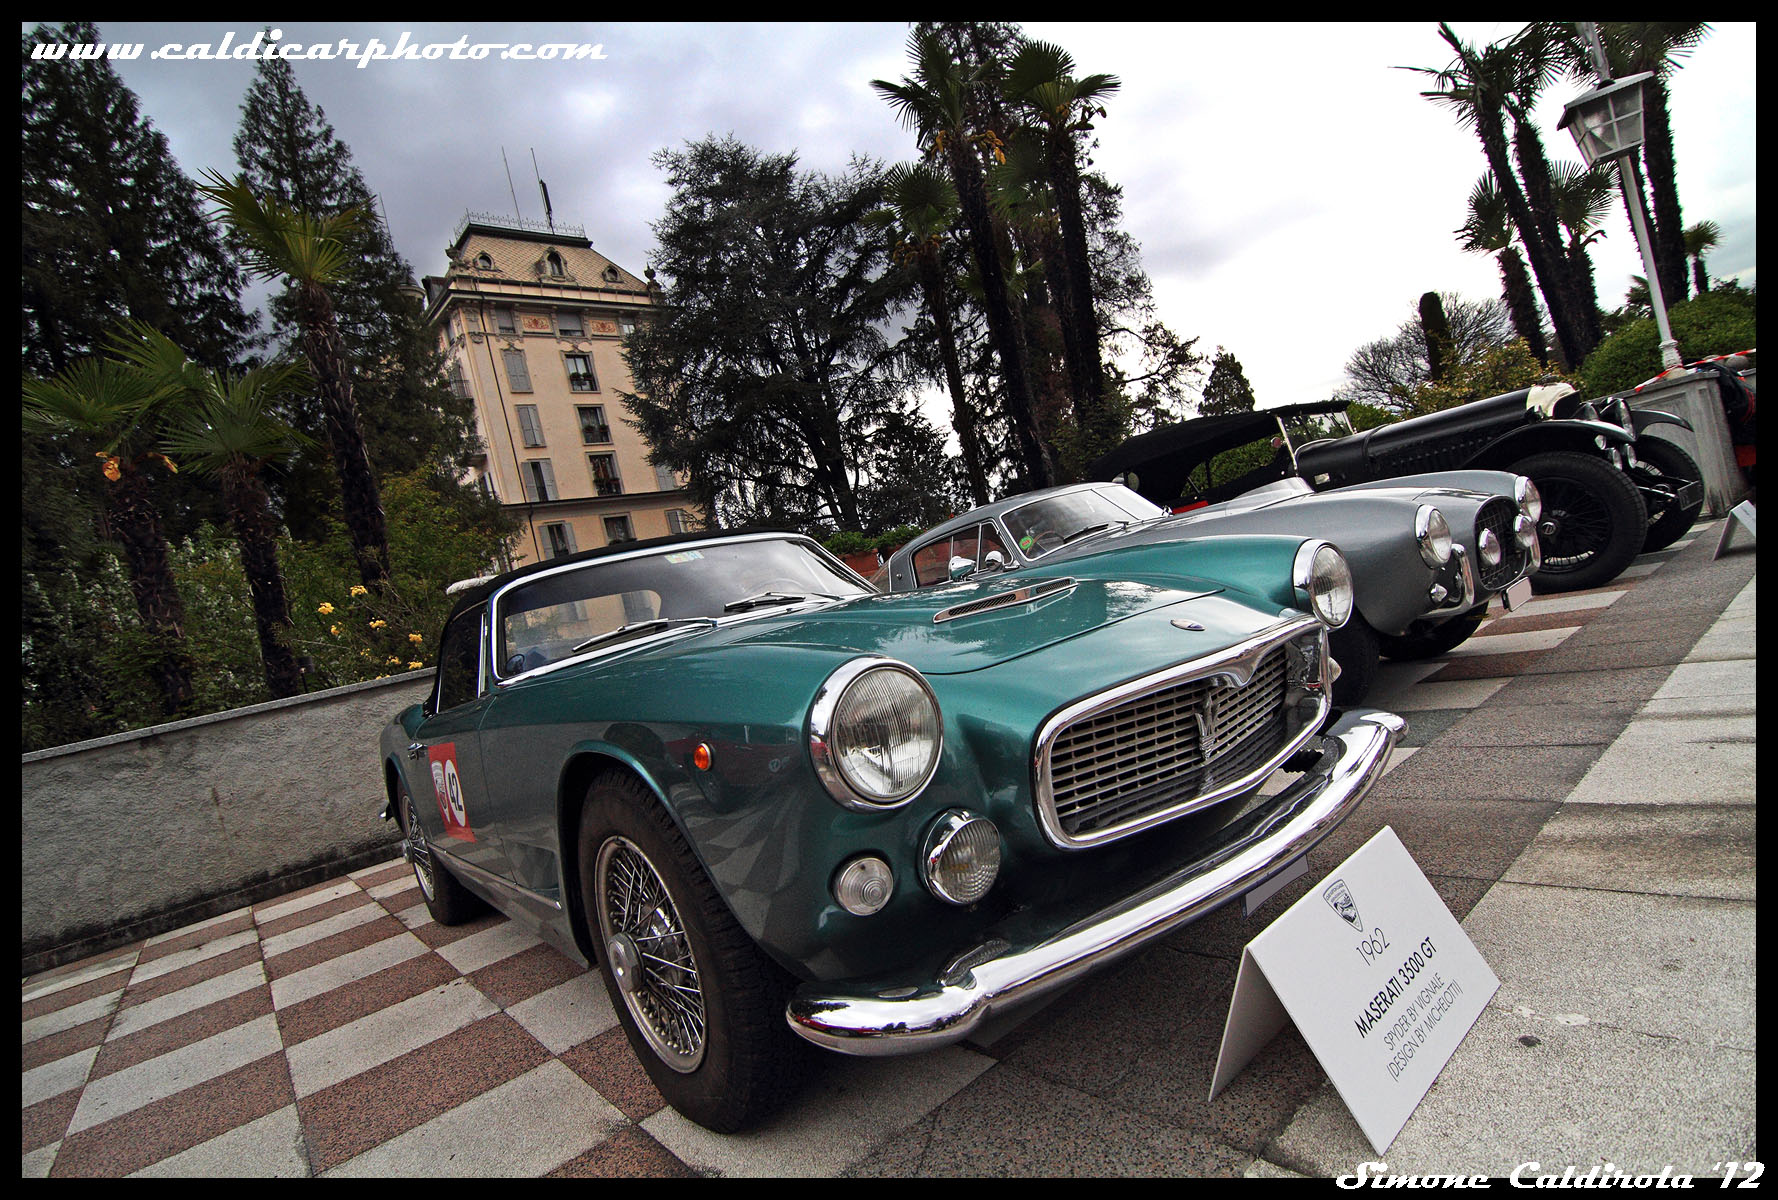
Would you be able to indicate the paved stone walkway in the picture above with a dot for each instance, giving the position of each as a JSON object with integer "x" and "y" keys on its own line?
{"x": 1577, "y": 782}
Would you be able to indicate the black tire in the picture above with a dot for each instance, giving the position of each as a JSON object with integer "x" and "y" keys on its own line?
{"x": 721, "y": 1052}
{"x": 1430, "y": 641}
{"x": 1670, "y": 523}
{"x": 449, "y": 902}
{"x": 1593, "y": 521}
{"x": 1354, "y": 647}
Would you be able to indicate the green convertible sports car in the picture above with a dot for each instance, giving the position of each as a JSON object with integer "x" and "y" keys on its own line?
{"x": 778, "y": 808}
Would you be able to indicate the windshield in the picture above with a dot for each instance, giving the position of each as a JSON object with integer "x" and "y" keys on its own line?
{"x": 1305, "y": 429}
{"x": 544, "y": 619}
{"x": 1046, "y": 524}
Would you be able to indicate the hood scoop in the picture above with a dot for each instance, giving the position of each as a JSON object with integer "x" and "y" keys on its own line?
{"x": 1024, "y": 595}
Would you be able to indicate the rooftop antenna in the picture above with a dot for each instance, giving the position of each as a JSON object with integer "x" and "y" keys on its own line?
{"x": 517, "y": 212}
{"x": 548, "y": 214}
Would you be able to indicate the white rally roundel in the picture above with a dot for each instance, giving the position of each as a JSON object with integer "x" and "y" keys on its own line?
{"x": 454, "y": 793}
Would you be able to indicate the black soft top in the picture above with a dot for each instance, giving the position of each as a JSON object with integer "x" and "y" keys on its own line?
{"x": 478, "y": 595}
{"x": 1191, "y": 442}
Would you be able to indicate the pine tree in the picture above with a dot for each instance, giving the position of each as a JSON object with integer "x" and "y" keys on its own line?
{"x": 1228, "y": 390}
{"x": 111, "y": 229}
{"x": 288, "y": 150}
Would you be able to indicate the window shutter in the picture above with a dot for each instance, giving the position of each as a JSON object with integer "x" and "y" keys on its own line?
{"x": 517, "y": 374}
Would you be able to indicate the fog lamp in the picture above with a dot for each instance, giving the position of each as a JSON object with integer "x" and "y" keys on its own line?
{"x": 962, "y": 856}
{"x": 1489, "y": 546}
{"x": 864, "y": 886}
{"x": 1525, "y": 532}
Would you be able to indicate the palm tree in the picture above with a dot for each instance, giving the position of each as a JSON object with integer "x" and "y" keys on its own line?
{"x": 1700, "y": 239}
{"x": 314, "y": 253}
{"x": 922, "y": 208}
{"x": 116, "y": 404}
{"x": 1583, "y": 197}
{"x": 934, "y": 102}
{"x": 226, "y": 429}
{"x": 1632, "y": 47}
{"x": 1484, "y": 87}
{"x": 1488, "y": 230}
{"x": 1041, "y": 79}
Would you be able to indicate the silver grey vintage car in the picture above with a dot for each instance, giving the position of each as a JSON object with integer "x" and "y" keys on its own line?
{"x": 1427, "y": 552}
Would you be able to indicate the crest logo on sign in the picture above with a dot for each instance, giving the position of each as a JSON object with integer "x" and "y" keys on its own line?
{"x": 1339, "y": 898}
{"x": 447, "y": 784}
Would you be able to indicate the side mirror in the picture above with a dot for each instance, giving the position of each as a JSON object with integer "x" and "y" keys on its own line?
{"x": 961, "y": 568}
{"x": 995, "y": 560}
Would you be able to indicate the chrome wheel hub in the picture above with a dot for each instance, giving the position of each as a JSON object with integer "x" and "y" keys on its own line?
{"x": 649, "y": 954}
{"x": 415, "y": 848}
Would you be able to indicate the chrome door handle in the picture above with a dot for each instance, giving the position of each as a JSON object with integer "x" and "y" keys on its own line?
{"x": 415, "y": 749}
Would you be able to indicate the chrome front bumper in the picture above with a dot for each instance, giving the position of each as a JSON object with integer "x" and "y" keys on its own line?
{"x": 921, "y": 1015}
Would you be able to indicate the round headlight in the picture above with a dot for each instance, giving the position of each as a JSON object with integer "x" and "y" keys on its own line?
{"x": 864, "y": 886}
{"x": 1322, "y": 576}
{"x": 1530, "y": 501}
{"x": 1489, "y": 546}
{"x": 875, "y": 734}
{"x": 1525, "y": 532}
{"x": 1433, "y": 533}
{"x": 962, "y": 857}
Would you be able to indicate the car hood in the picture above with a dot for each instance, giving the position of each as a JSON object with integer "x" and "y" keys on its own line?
{"x": 987, "y": 623}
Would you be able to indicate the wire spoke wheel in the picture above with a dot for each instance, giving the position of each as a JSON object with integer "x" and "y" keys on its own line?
{"x": 418, "y": 853}
{"x": 1575, "y": 525}
{"x": 650, "y": 954}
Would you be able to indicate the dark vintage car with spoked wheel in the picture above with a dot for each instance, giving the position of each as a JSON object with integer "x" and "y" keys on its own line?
{"x": 780, "y": 810}
{"x": 1608, "y": 493}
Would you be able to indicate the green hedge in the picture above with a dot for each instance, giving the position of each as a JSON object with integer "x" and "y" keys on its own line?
{"x": 1720, "y": 321}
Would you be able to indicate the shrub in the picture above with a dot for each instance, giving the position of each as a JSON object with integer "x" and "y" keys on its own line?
{"x": 1720, "y": 321}
{"x": 849, "y": 541}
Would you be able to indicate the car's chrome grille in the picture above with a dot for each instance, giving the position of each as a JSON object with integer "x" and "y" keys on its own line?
{"x": 1161, "y": 749}
{"x": 1499, "y": 515}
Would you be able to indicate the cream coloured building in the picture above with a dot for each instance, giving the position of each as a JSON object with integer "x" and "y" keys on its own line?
{"x": 531, "y": 319}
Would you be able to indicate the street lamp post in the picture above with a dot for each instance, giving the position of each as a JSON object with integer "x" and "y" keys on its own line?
{"x": 1607, "y": 124}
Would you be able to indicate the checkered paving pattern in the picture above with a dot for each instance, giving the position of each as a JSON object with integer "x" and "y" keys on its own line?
{"x": 340, "y": 1031}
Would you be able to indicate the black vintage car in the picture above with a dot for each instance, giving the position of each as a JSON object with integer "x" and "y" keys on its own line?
{"x": 1608, "y": 494}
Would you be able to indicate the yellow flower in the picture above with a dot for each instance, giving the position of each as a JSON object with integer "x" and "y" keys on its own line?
{"x": 334, "y": 629}
{"x": 378, "y": 624}
{"x": 393, "y": 659}
{"x": 358, "y": 590}
{"x": 414, "y": 666}
{"x": 325, "y": 608}
{"x": 415, "y": 638}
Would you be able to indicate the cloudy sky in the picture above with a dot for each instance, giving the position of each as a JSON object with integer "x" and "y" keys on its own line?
{"x": 1292, "y": 193}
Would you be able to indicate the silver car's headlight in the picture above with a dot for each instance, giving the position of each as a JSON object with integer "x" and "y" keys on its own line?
{"x": 1324, "y": 582}
{"x": 1530, "y": 500}
{"x": 1488, "y": 546}
{"x": 1524, "y": 532}
{"x": 1433, "y": 533}
{"x": 875, "y": 734}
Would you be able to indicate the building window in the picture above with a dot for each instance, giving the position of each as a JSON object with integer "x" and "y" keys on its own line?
{"x": 678, "y": 520}
{"x": 558, "y": 539}
{"x": 626, "y": 324}
{"x": 530, "y": 428}
{"x": 605, "y": 480}
{"x": 580, "y": 372}
{"x": 665, "y": 479}
{"x": 540, "y": 480}
{"x": 505, "y": 321}
{"x": 518, "y": 375}
{"x": 617, "y": 529}
{"x": 484, "y": 263}
{"x": 593, "y": 429}
{"x": 612, "y": 275}
{"x": 554, "y": 262}
{"x": 569, "y": 324}
{"x": 459, "y": 382}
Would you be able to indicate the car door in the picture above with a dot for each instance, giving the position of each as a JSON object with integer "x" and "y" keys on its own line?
{"x": 445, "y": 758}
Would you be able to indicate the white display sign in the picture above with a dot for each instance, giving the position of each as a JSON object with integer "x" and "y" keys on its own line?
{"x": 1377, "y": 975}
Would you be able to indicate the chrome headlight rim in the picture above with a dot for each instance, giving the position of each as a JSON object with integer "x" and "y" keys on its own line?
{"x": 1432, "y": 532}
{"x": 1324, "y": 601}
{"x": 1528, "y": 498}
{"x": 942, "y": 836}
{"x": 1489, "y": 549}
{"x": 1524, "y": 531}
{"x": 830, "y": 766}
